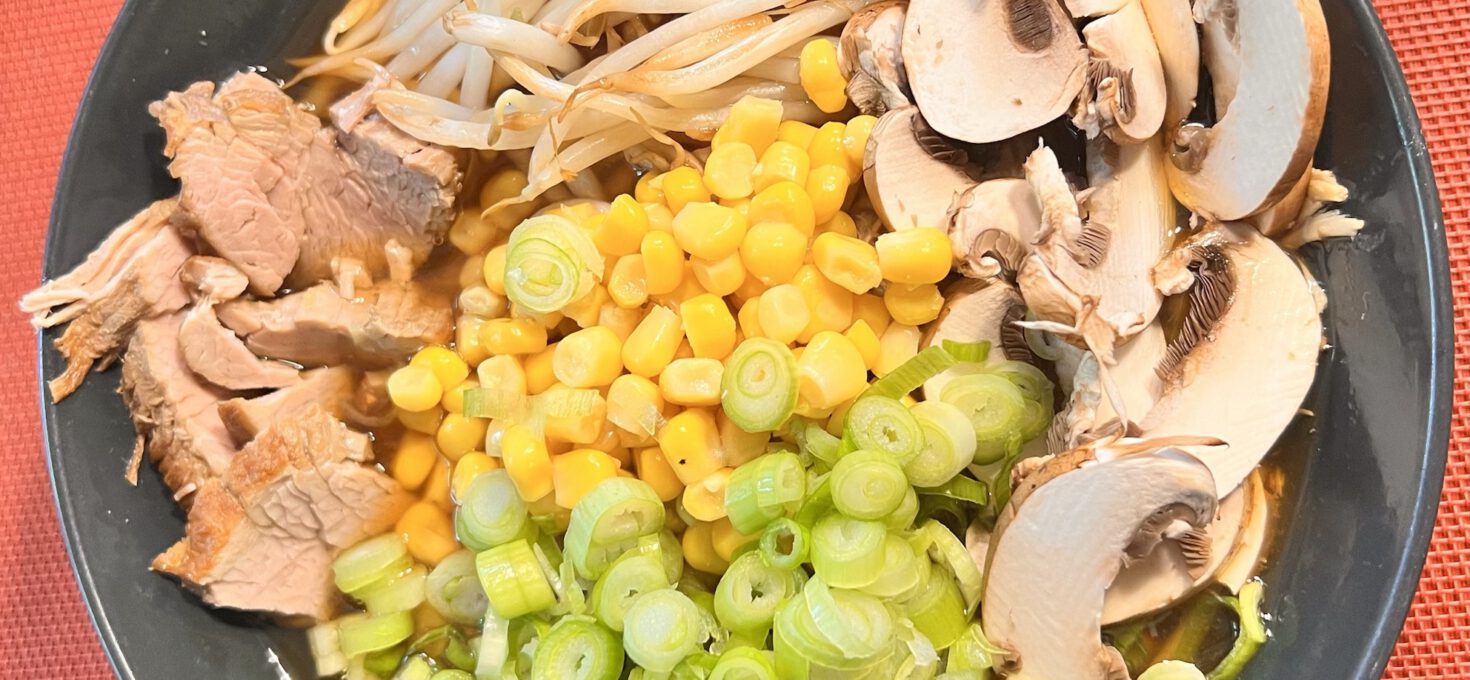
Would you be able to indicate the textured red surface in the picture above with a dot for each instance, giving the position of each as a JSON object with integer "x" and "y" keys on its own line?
{"x": 47, "y": 48}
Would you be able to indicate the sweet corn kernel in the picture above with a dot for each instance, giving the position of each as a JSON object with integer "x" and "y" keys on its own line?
{"x": 691, "y": 442}
{"x": 635, "y": 404}
{"x": 479, "y": 300}
{"x": 796, "y": 132}
{"x": 727, "y": 170}
{"x": 749, "y": 318}
{"x": 805, "y": 410}
{"x": 870, "y": 308}
{"x": 627, "y": 285}
{"x": 784, "y": 313}
{"x": 773, "y": 251}
{"x": 913, "y": 305}
{"x": 820, "y": 76}
{"x": 507, "y": 183}
{"x": 709, "y": 326}
{"x": 827, "y": 148}
{"x": 827, "y": 186}
{"x": 699, "y": 549}
{"x": 524, "y": 456}
{"x": 425, "y": 422}
{"x": 750, "y": 289}
{"x": 709, "y": 230}
{"x": 654, "y": 468}
{"x": 688, "y": 288}
{"x": 539, "y": 373}
{"x": 472, "y": 465}
{"x": 719, "y": 277}
{"x": 753, "y": 122}
{"x": 448, "y": 368}
{"x": 785, "y": 202}
{"x": 591, "y": 357}
{"x": 654, "y": 342}
{"x": 915, "y": 256}
{"x": 584, "y": 310}
{"x": 841, "y": 223}
{"x": 738, "y": 446}
{"x": 650, "y": 188}
{"x": 830, "y": 370}
{"x": 513, "y": 336}
{"x": 428, "y": 532}
{"x": 727, "y": 541}
{"x": 898, "y": 344}
{"x": 413, "y": 460}
{"x": 453, "y": 400}
{"x": 837, "y": 422}
{"x": 740, "y": 205}
{"x": 862, "y": 335}
{"x": 782, "y": 162}
{"x": 683, "y": 186}
{"x": 471, "y": 233}
{"x": 704, "y": 500}
{"x": 546, "y": 507}
{"x": 856, "y": 140}
{"x": 829, "y": 304}
{"x": 622, "y": 230}
{"x": 684, "y": 351}
{"x": 692, "y": 382}
{"x": 460, "y": 434}
{"x": 414, "y": 388}
{"x": 847, "y": 262}
{"x": 620, "y": 320}
{"x": 660, "y": 218}
{"x": 582, "y": 429}
{"x": 502, "y": 373}
{"x": 663, "y": 263}
{"x": 467, "y": 339}
{"x": 436, "y": 487}
{"x": 574, "y": 473}
{"x": 494, "y": 270}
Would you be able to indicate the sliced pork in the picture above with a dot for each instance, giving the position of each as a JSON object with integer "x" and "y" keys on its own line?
{"x": 330, "y": 389}
{"x": 217, "y": 355}
{"x": 213, "y": 278}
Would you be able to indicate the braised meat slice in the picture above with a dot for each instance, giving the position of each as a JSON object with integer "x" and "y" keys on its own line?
{"x": 330, "y": 389}
{"x": 216, "y": 354}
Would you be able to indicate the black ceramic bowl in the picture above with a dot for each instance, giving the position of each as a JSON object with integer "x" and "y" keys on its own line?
{"x": 1357, "y": 523}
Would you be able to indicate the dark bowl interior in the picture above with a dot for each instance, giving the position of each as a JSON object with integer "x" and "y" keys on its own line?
{"x": 1357, "y": 521}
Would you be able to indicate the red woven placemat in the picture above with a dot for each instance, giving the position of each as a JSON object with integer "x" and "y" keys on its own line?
{"x": 46, "y": 51}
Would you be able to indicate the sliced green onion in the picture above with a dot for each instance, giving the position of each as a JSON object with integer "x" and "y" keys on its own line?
{"x": 912, "y": 373}
{"x": 662, "y": 627}
{"x": 697, "y": 666}
{"x": 963, "y": 489}
{"x": 1034, "y": 384}
{"x": 948, "y": 444}
{"x": 946, "y": 549}
{"x": 667, "y": 548}
{"x": 453, "y": 589}
{"x": 749, "y": 594}
{"x": 820, "y": 443}
{"x": 1000, "y": 484}
{"x": 570, "y": 595}
{"x": 549, "y": 263}
{"x": 608, "y": 520}
{"x": 629, "y": 577}
{"x": 362, "y": 634}
{"x": 938, "y": 610}
{"x": 818, "y": 500}
{"x": 784, "y": 544}
{"x": 491, "y": 512}
{"x": 415, "y": 668}
{"x": 995, "y": 407}
{"x": 370, "y": 561}
{"x": 868, "y": 484}
{"x": 1035, "y": 420}
{"x": 1252, "y": 634}
{"x": 499, "y": 404}
{"x": 883, "y": 424}
{"x": 899, "y": 577}
{"x": 452, "y": 674}
{"x": 847, "y": 552}
{"x": 973, "y": 651}
{"x": 950, "y": 512}
{"x": 577, "y": 648}
{"x": 914, "y": 655}
{"x": 382, "y": 662}
{"x": 1172, "y": 670}
{"x": 967, "y": 352}
{"x": 763, "y": 489}
{"x": 398, "y": 593}
{"x": 513, "y": 579}
{"x": 827, "y": 628}
{"x": 758, "y": 390}
{"x": 745, "y": 663}
{"x": 494, "y": 653}
{"x": 904, "y": 515}
{"x": 456, "y": 649}
{"x": 326, "y": 650}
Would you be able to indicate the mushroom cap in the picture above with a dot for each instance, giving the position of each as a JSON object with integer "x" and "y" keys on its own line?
{"x": 1250, "y": 543}
{"x": 871, "y": 57}
{"x": 908, "y": 186}
{"x": 1272, "y": 58}
{"x": 1125, "y": 94}
{"x": 1175, "y": 33}
{"x": 1052, "y": 562}
{"x": 986, "y": 70}
{"x": 975, "y": 311}
{"x": 992, "y": 225}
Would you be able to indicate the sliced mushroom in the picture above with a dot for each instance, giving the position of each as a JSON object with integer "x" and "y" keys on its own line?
{"x": 1269, "y": 61}
{"x": 871, "y": 58}
{"x": 1250, "y": 543}
{"x": 975, "y": 311}
{"x": 1125, "y": 94}
{"x": 1175, "y": 33}
{"x": 985, "y": 71}
{"x": 1053, "y": 558}
{"x": 991, "y": 227}
{"x": 908, "y": 185}
{"x": 1249, "y": 304}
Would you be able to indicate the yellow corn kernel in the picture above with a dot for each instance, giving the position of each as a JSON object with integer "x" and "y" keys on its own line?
{"x": 841, "y": 223}
{"x": 684, "y": 351}
{"x": 425, "y": 422}
{"x": 574, "y": 473}
{"x": 620, "y": 320}
{"x": 709, "y": 326}
{"x": 736, "y": 445}
{"x": 699, "y": 550}
{"x": 796, "y": 132}
{"x": 467, "y": 468}
{"x": 479, "y": 300}
{"x": 829, "y": 304}
{"x": 913, "y": 305}
{"x": 525, "y": 458}
{"x": 494, "y": 270}
{"x": 847, "y": 262}
{"x": 627, "y": 285}
{"x": 460, "y": 434}
{"x": 898, "y": 344}
{"x": 650, "y": 188}
{"x": 436, "y": 487}
{"x": 654, "y": 342}
{"x": 727, "y": 541}
{"x": 691, "y": 442}
{"x": 635, "y": 404}
{"x": 546, "y": 507}
{"x": 471, "y": 233}
{"x": 413, "y": 460}
{"x": 692, "y": 382}
{"x": 753, "y": 122}
{"x": 838, "y": 418}
{"x": 784, "y": 202}
{"x": 513, "y": 336}
{"x": 870, "y": 308}
{"x": 507, "y": 183}
{"x": 773, "y": 251}
{"x": 683, "y": 186}
{"x": 582, "y": 429}
{"x": 720, "y": 277}
{"x": 915, "y": 256}
{"x": 467, "y": 339}
{"x": 862, "y": 335}
{"x": 830, "y": 370}
{"x": 740, "y": 205}
{"x": 584, "y": 310}
{"x": 704, "y": 500}
{"x": 660, "y": 218}
{"x": 502, "y": 373}
{"x": 453, "y": 401}
{"x": 414, "y": 388}
{"x": 709, "y": 230}
{"x": 428, "y": 531}
{"x": 472, "y": 272}
{"x": 654, "y": 468}
{"x": 663, "y": 263}
{"x": 749, "y": 318}
{"x": 806, "y": 410}
{"x": 688, "y": 288}
{"x": 827, "y": 148}
{"x": 591, "y": 357}
{"x": 538, "y": 368}
{"x": 622, "y": 230}
{"x": 782, "y": 162}
{"x": 750, "y": 289}
{"x": 856, "y": 140}
{"x": 827, "y": 187}
{"x": 784, "y": 313}
{"x": 727, "y": 170}
{"x": 820, "y": 76}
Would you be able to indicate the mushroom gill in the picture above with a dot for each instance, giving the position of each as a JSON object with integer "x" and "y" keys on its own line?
{"x": 1205, "y": 302}
{"x": 1030, "y": 24}
{"x": 991, "y": 227}
{"x": 871, "y": 58}
{"x": 1125, "y": 94}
